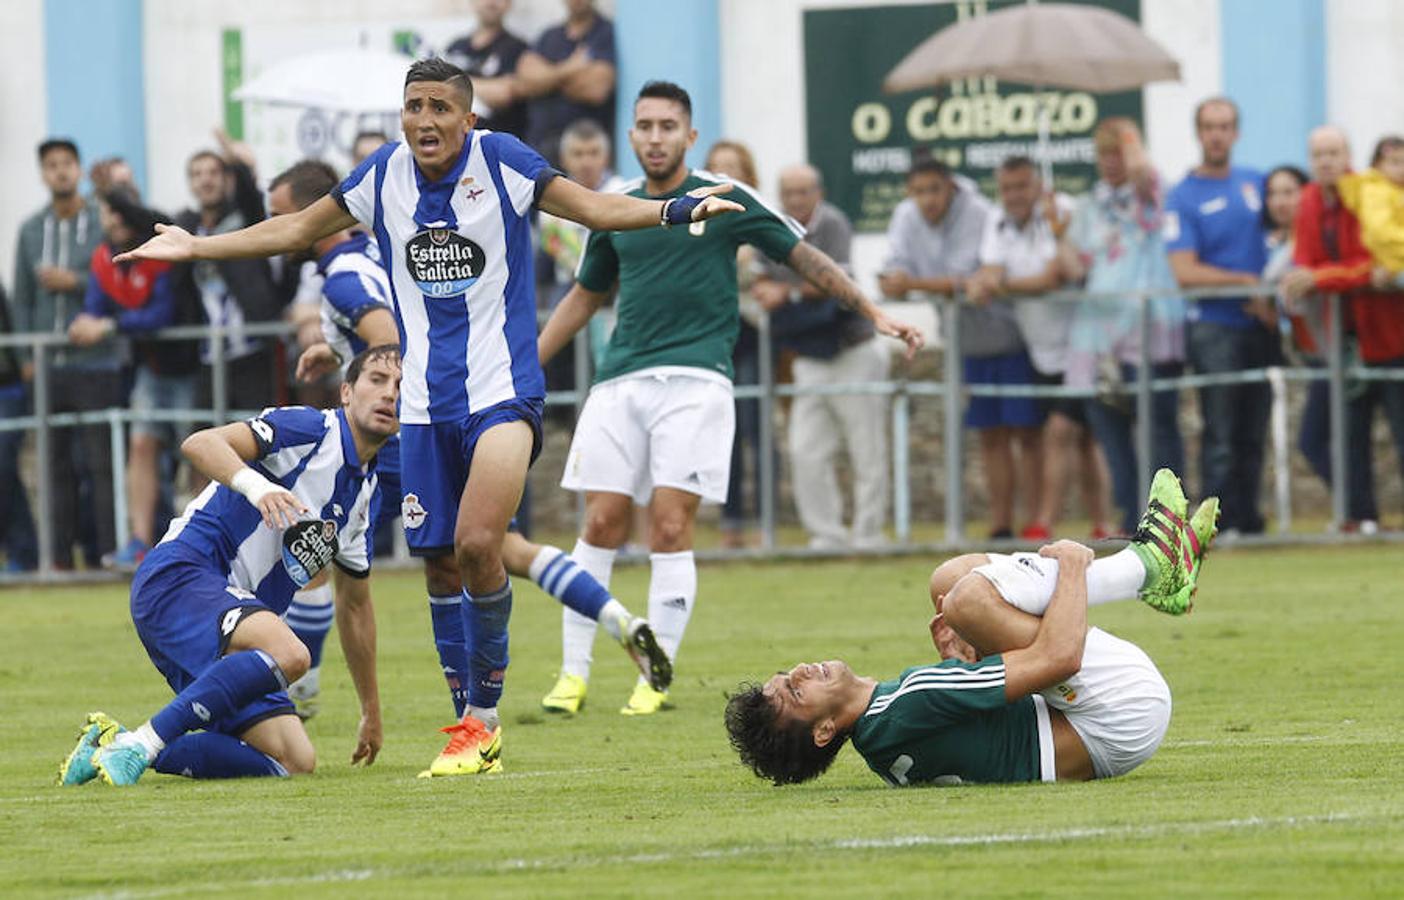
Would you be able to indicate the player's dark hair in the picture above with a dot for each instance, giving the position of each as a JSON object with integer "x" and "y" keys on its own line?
{"x": 1017, "y": 163}
{"x": 123, "y": 201}
{"x": 309, "y": 180}
{"x": 783, "y": 752}
{"x": 666, "y": 90}
{"x": 1384, "y": 145}
{"x": 369, "y": 355}
{"x": 58, "y": 143}
{"x": 445, "y": 72}
{"x": 926, "y": 164}
{"x": 1297, "y": 175}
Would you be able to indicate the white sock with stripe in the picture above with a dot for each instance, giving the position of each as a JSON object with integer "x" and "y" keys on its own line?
{"x": 672, "y": 593}
{"x": 1026, "y": 580}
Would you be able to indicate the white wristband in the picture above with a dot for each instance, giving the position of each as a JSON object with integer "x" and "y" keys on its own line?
{"x": 252, "y": 485}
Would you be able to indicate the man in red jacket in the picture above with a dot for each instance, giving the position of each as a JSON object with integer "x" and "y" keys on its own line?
{"x": 1331, "y": 259}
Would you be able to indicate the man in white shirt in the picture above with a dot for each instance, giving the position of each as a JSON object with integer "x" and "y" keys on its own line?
{"x": 1019, "y": 255}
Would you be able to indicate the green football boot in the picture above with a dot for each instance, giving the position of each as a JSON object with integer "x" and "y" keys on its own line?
{"x": 98, "y": 732}
{"x": 1203, "y": 527}
{"x": 1163, "y": 543}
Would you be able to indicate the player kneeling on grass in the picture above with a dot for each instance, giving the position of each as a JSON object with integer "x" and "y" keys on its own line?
{"x": 1025, "y": 691}
{"x": 290, "y": 493}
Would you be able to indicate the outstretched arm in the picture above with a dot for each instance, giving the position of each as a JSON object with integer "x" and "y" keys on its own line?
{"x": 355, "y": 622}
{"x": 620, "y": 212}
{"x": 569, "y": 316}
{"x": 280, "y": 234}
{"x": 819, "y": 269}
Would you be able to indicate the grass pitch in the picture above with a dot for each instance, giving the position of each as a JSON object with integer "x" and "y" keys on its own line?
{"x": 1282, "y": 774}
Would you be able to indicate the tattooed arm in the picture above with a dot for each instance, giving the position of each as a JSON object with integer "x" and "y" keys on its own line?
{"x": 821, "y": 271}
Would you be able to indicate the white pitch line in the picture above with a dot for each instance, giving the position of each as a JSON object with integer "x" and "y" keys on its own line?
{"x": 895, "y": 842}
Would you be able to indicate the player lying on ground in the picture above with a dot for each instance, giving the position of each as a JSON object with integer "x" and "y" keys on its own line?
{"x": 657, "y": 427}
{"x": 356, "y": 312}
{"x": 289, "y": 494}
{"x": 450, "y": 210}
{"x": 1025, "y": 691}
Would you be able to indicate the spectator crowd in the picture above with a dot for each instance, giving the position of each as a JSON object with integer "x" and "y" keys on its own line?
{"x": 1286, "y": 239}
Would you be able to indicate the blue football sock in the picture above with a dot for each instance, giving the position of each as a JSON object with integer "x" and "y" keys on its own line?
{"x": 210, "y": 754}
{"x": 225, "y": 687}
{"x": 486, "y": 620}
{"x": 310, "y": 616}
{"x": 559, "y": 575}
{"x": 451, "y": 640}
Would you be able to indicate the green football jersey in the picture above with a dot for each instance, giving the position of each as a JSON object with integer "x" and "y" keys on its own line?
{"x": 948, "y": 722}
{"x": 677, "y": 303}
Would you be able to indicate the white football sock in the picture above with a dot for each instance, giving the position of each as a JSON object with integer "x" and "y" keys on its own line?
{"x": 1026, "y": 580}
{"x": 577, "y": 631}
{"x": 485, "y": 714}
{"x": 144, "y": 737}
{"x": 672, "y": 593}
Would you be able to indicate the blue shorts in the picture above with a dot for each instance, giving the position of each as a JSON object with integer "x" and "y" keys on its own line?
{"x": 179, "y": 601}
{"x": 434, "y": 463}
{"x": 994, "y": 412}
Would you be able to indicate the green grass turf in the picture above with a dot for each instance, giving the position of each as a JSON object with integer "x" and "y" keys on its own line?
{"x": 1282, "y": 773}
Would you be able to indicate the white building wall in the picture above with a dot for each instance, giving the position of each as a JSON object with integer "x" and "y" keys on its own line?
{"x": 1365, "y": 71}
{"x": 24, "y": 114}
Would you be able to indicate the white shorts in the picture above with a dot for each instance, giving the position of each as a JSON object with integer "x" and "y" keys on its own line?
{"x": 661, "y": 427}
{"x": 1118, "y": 703}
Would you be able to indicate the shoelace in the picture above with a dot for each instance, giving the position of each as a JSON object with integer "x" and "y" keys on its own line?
{"x": 461, "y": 734}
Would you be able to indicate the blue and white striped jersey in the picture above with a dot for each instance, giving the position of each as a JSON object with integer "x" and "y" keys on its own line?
{"x": 353, "y": 283}
{"x": 311, "y": 453}
{"x": 459, "y": 254}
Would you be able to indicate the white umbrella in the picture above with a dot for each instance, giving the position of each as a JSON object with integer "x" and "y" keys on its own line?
{"x": 353, "y": 81}
{"x": 1064, "y": 45}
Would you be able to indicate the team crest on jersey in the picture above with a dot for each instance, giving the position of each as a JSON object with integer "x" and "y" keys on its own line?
{"x": 697, "y": 229}
{"x": 442, "y": 262}
{"x": 411, "y": 512}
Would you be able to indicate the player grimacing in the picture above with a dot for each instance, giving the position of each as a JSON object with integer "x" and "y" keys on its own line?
{"x": 448, "y": 209}
{"x": 658, "y": 424}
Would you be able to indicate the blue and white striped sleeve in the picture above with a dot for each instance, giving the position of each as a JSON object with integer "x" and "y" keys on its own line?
{"x": 280, "y": 427}
{"x": 356, "y": 193}
{"x": 353, "y": 295}
{"x": 525, "y": 173}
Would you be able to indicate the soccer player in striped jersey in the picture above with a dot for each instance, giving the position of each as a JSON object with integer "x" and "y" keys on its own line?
{"x": 658, "y": 424}
{"x": 289, "y": 494}
{"x": 1026, "y": 691}
{"x": 356, "y": 312}
{"x": 448, "y": 209}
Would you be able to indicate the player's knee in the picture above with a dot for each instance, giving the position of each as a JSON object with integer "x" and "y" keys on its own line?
{"x": 441, "y": 576}
{"x": 670, "y": 533}
{"x": 603, "y": 528}
{"x": 970, "y": 594}
{"x": 291, "y": 656}
{"x": 477, "y": 545}
{"x": 944, "y": 578}
{"x": 299, "y": 758}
